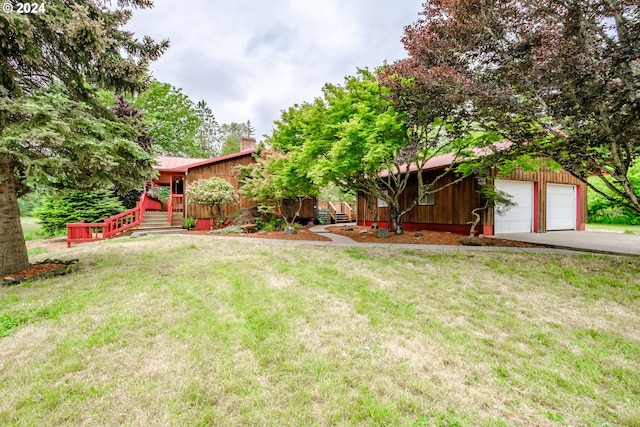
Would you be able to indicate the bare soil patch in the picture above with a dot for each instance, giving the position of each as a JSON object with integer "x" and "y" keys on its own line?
{"x": 303, "y": 234}
{"x": 424, "y": 237}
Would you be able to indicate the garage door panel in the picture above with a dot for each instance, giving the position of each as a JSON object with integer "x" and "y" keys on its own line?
{"x": 561, "y": 207}
{"x": 519, "y": 218}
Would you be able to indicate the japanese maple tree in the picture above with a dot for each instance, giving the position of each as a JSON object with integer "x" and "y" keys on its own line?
{"x": 557, "y": 78}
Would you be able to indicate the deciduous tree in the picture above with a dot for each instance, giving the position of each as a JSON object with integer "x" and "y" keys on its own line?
{"x": 557, "y": 78}
{"x": 277, "y": 181}
{"x": 216, "y": 194}
{"x": 172, "y": 119}
{"x": 356, "y": 138}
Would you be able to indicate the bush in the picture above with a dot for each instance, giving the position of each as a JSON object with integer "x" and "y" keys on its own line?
{"x": 602, "y": 211}
{"x": 74, "y": 206}
{"x": 189, "y": 223}
{"x": 28, "y": 203}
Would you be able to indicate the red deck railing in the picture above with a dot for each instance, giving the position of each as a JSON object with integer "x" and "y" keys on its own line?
{"x": 79, "y": 232}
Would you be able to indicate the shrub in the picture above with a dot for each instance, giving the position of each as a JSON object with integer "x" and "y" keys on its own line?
{"x": 605, "y": 212}
{"x": 216, "y": 194}
{"x": 189, "y": 223}
{"x": 74, "y": 206}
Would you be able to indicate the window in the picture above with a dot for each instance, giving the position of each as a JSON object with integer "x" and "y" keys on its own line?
{"x": 429, "y": 199}
{"x": 382, "y": 203}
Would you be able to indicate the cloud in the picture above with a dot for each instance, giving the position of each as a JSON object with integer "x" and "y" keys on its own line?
{"x": 249, "y": 60}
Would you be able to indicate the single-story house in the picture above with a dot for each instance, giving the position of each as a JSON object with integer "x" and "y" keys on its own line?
{"x": 177, "y": 173}
{"x": 546, "y": 200}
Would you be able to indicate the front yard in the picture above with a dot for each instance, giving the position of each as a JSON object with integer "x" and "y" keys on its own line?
{"x": 193, "y": 330}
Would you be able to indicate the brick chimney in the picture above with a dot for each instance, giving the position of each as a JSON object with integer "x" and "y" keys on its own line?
{"x": 247, "y": 143}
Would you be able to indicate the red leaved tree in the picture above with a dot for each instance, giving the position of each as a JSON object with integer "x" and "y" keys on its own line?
{"x": 558, "y": 78}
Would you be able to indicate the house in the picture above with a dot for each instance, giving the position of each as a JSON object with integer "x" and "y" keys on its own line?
{"x": 178, "y": 173}
{"x": 545, "y": 201}
{"x": 164, "y": 204}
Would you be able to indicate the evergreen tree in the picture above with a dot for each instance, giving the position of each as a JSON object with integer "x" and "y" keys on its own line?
{"x": 54, "y": 132}
{"x": 208, "y": 133}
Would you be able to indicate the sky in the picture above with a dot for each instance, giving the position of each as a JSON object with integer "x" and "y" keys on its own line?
{"x": 251, "y": 59}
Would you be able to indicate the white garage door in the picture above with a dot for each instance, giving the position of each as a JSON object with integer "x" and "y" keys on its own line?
{"x": 561, "y": 207}
{"x": 519, "y": 218}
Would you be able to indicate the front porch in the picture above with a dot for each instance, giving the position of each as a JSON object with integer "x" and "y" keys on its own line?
{"x": 160, "y": 208}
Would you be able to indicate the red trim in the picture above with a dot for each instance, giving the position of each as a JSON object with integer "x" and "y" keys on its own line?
{"x": 203, "y": 224}
{"x": 416, "y": 226}
{"x": 487, "y": 230}
{"x": 579, "y": 225}
{"x": 536, "y": 207}
{"x": 215, "y": 160}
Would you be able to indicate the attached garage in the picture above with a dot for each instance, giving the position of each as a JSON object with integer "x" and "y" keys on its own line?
{"x": 519, "y": 218}
{"x": 561, "y": 207}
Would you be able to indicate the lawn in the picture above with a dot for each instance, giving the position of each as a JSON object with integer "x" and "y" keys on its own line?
{"x": 616, "y": 228}
{"x": 193, "y": 330}
{"x": 31, "y": 228}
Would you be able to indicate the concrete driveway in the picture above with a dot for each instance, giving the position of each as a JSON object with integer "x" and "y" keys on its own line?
{"x": 591, "y": 241}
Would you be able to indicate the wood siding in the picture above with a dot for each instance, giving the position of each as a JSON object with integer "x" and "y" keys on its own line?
{"x": 223, "y": 169}
{"x": 454, "y": 203}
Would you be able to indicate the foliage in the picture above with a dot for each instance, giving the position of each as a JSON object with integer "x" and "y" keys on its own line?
{"x": 28, "y": 203}
{"x": 54, "y": 131}
{"x": 355, "y": 137}
{"x": 231, "y": 135}
{"x": 602, "y": 210}
{"x": 332, "y": 193}
{"x": 57, "y": 210}
{"x": 208, "y": 133}
{"x": 216, "y": 194}
{"x": 172, "y": 120}
{"x": 277, "y": 181}
{"x": 189, "y": 223}
{"x": 557, "y": 79}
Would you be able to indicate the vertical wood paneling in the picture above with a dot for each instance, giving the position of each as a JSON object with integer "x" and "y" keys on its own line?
{"x": 453, "y": 204}
{"x": 223, "y": 169}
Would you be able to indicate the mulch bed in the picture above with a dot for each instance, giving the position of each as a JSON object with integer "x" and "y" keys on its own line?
{"x": 303, "y": 234}
{"x": 368, "y": 235}
{"x": 39, "y": 270}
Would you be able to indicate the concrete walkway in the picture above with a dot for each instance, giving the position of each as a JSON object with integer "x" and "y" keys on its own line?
{"x": 589, "y": 241}
{"x": 338, "y": 240}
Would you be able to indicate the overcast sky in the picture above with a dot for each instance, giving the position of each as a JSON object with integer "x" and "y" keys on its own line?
{"x": 251, "y": 59}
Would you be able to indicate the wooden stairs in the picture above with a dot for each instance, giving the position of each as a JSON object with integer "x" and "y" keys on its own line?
{"x": 158, "y": 222}
{"x": 327, "y": 218}
{"x": 342, "y": 217}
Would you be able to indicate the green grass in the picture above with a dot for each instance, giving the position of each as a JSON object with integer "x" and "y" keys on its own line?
{"x": 207, "y": 331}
{"x": 616, "y": 228}
{"x": 31, "y": 228}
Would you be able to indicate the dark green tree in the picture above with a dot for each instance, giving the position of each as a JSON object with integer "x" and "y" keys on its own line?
{"x": 54, "y": 132}
{"x": 208, "y": 133}
{"x": 57, "y": 210}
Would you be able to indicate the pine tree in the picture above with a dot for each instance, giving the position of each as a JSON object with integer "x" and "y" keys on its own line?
{"x": 54, "y": 132}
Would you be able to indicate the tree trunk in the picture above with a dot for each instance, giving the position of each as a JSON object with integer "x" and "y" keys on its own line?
{"x": 395, "y": 220}
{"x": 13, "y": 249}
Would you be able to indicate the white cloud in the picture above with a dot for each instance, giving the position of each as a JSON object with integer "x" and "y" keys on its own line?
{"x": 249, "y": 60}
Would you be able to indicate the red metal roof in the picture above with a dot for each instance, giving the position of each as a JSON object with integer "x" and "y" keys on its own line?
{"x": 182, "y": 164}
{"x": 168, "y": 163}
{"x": 188, "y": 166}
{"x": 445, "y": 160}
